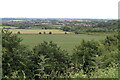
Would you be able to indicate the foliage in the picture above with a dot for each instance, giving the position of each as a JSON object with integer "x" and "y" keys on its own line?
{"x": 18, "y": 32}
{"x": 40, "y": 33}
{"x": 83, "y": 56}
{"x": 65, "y": 25}
{"x": 108, "y": 72}
{"x": 57, "y": 59}
{"x": 44, "y": 32}
{"x": 15, "y": 56}
{"x": 50, "y": 32}
{"x": 111, "y": 50}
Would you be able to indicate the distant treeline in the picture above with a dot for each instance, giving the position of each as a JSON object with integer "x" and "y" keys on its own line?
{"x": 76, "y": 26}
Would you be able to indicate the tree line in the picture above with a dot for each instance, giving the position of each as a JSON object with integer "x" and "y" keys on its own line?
{"x": 72, "y": 26}
{"x": 98, "y": 26}
{"x": 47, "y": 60}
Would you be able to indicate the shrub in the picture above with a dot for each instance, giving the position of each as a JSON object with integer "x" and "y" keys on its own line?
{"x": 76, "y": 32}
{"x": 84, "y": 54}
{"x": 15, "y": 57}
{"x": 50, "y": 32}
{"x": 65, "y": 32}
{"x": 18, "y": 32}
{"x": 57, "y": 59}
{"x": 44, "y": 32}
{"x": 40, "y": 33}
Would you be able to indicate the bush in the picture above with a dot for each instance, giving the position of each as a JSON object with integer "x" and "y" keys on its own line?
{"x": 15, "y": 56}
{"x": 84, "y": 54}
{"x": 44, "y": 32}
{"x": 40, "y": 33}
{"x": 108, "y": 72}
{"x": 18, "y": 32}
{"x": 65, "y": 32}
{"x": 50, "y": 32}
{"x": 57, "y": 59}
{"x": 76, "y": 32}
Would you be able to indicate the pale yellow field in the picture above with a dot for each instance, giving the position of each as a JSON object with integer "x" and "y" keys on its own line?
{"x": 36, "y": 31}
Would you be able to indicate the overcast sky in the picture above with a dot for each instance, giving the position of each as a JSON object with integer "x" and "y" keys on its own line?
{"x": 59, "y": 8}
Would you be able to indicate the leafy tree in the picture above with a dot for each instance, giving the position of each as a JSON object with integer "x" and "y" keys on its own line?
{"x": 18, "y": 32}
{"x": 111, "y": 50}
{"x": 15, "y": 56}
{"x": 84, "y": 54}
{"x": 44, "y": 32}
{"x": 65, "y": 32}
{"x": 50, "y": 32}
{"x": 57, "y": 59}
{"x": 10, "y": 41}
{"x": 40, "y": 33}
{"x": 66, "y": 28}
{"x": 76, "y": 32}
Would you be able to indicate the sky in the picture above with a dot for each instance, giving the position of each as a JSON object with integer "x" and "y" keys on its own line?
{"x": 103, "y": 9}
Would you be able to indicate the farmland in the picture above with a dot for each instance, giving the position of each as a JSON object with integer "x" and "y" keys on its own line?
{"x": 36, "y": 31}
{"x": 65, "y": 41}
{"x": 31, "y": 37}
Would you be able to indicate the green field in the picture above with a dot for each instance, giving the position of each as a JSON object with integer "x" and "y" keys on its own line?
{"x": 66, "y": 42}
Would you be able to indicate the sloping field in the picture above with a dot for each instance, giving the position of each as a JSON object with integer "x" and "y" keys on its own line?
{"x": 65, "y": 41}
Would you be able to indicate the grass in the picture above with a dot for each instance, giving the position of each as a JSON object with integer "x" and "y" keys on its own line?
{"x": 65, "y": 41}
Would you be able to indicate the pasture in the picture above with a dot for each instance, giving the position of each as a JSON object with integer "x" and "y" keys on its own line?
{"x": 65, "y": 41}
{"x": 31, "y": 37}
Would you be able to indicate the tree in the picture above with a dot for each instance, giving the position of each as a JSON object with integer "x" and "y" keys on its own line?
{"x": 84, "y": 54}
{"x": 15, "y": 56}
{"x": 18, "y": 32}
{"x": 50, "y": 32}
{"x": 40, "y": 33}
{"x": 76, "y": 32}
{"x": 65, "y": 32}
{"x": 57, "y": 59}
{"x": 44, "y": 32}
{"x": 10, "y": 41}
{"x": 66, "y": 28}
{"x": 111, "y": 50}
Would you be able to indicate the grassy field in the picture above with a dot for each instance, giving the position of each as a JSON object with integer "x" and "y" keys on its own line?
{"x": 65, "y": 41}
{"x": 31, "y": 37}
